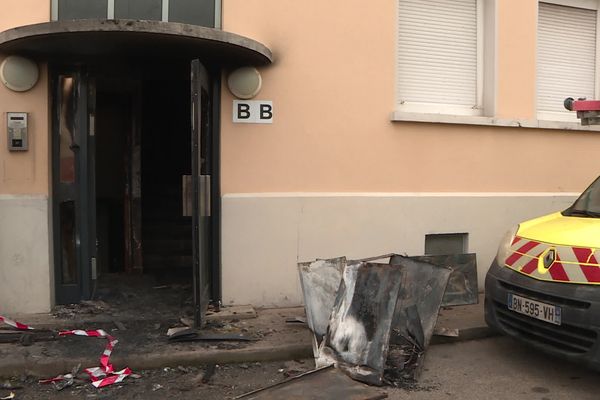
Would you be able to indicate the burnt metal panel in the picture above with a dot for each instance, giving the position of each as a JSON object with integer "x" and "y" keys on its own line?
{"x": 320, "y": 281}
{"x": 359, "y": 328}
{"x": 321, "y": 384}
{"x": 383, "y": 314}
{"x": 462, "y": 286}
{"x": 415, "y": 317}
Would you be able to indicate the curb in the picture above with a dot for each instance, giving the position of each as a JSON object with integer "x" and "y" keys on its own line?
{"x": 187, "y": 358}
{"x": 54, "y": 366}
{"x": 475, "y": 333}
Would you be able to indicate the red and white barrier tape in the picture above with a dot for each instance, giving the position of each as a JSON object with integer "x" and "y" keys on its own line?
{"x": 105, "y": 374}
{"x": 15, "y": 324}
{"x": 101, "y": 376}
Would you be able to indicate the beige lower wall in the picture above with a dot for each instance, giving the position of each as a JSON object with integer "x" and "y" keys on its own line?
{"x": 26, "y": 279}
{"x": 265, "y": 235}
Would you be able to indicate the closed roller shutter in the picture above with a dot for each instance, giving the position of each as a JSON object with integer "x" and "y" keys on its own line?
{"x": 437, "y": 52}
{"x": 566, "y": 65}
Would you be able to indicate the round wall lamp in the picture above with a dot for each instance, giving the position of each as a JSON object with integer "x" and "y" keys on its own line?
{"x": 245, "y": 82}
{"x": 19, "y": 73}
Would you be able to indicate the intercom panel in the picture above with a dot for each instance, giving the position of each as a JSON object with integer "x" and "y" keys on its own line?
{"x": 17, "y": 131}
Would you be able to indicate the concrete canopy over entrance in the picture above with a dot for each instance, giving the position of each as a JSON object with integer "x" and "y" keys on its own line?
{"x": 62, "y": 40}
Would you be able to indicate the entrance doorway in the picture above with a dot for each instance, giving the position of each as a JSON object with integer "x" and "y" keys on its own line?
{"x": 132, "y": 180}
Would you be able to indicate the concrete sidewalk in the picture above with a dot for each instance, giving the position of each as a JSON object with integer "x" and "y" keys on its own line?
{"x": 468, "y": 320}
{"x": 143, "y": 344}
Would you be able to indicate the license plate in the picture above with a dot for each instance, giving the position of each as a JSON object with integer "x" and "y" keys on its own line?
{"x": 535, "y": 309}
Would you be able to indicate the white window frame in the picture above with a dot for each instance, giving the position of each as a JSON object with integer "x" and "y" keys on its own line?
{"x": 54, "y": 10}
{"x": 165, "y": 11}
{"x": 218, "y": 14}
{"x": 110, "y": 12}
{"x": 450, "y": 109}
{"x": 568, "y": 116}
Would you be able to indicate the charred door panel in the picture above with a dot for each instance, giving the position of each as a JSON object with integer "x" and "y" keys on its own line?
{"x": 73, "y": 205}
{"x": 201, "y": 111}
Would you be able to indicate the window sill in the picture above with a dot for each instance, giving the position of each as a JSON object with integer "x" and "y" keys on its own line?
{"x": 399, "y": 116}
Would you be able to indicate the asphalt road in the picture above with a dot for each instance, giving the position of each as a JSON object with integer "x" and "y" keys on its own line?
{"x": 496, "y": 368}
{"x": 499, "y": 368}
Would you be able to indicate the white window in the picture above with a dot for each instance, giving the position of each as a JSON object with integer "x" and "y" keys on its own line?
{"x": 566, "y": 55}
{"x": 439, "y": 64}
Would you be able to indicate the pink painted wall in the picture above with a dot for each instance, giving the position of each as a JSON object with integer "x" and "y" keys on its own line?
{"x": 25, "y": 172}
{"x": 23, "y": 12}
{"x": 516, "y": 58}
{"x": 332, "y": 85}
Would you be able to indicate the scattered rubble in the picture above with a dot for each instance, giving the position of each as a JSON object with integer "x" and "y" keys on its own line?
{"x": 208, "y": 373}
{"x": 322, "y": 383}
{"x": 229, "y": 328}
{"x": 225, "y": 382}
{"x": 8, "y": 385}
{"x": 86, "y": 307}
{"x": 371, "y": 321}
{"x": 184, "y": 334}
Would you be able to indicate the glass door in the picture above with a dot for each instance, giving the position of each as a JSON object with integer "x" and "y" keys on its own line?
{"x": 73, "y": 185}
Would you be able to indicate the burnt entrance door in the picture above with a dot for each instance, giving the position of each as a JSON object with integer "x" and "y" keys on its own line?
{"x": 201, "y": 174}
{"x": 73, "y": 185}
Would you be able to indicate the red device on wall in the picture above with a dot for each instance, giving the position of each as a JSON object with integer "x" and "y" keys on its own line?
{"x": 588, "y": 111}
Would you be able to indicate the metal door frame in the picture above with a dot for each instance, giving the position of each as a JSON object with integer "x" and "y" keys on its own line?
{"x": 201, "y": 211}
{"x": 84, "y": 193}
{"x": 215, "y": 201}
{"x": 81, "y": 191}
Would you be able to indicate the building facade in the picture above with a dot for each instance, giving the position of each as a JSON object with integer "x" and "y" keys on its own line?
{"x": 396, "y": 127}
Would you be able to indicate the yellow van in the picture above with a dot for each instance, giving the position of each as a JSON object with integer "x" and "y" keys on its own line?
{"x": 544, "y": 285}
